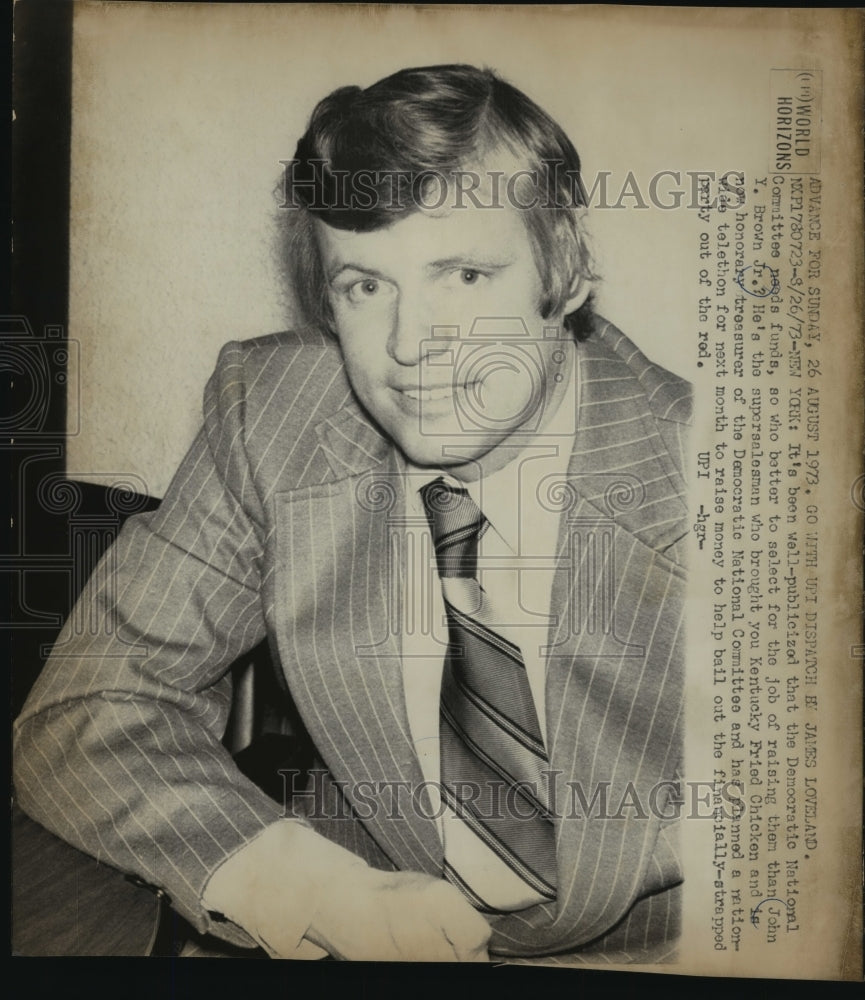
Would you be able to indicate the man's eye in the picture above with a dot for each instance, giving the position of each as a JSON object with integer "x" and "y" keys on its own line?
{"x": 363, "y": 291}
{"x": 463, "y": 276}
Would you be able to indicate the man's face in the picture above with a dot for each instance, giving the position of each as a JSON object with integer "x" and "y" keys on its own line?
{"x": 439, "y": 324}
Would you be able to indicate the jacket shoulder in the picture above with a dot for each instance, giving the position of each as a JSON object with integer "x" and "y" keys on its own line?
{"x": 265, "y": 401}
{"x": 264, "y": 356}
{"x": 670, "y": 397}
{"x": 283, "y": 372}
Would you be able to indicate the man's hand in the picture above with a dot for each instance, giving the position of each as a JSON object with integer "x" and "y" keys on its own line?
{"x": 302, "y": 896}
{"x": 398, "y": 916}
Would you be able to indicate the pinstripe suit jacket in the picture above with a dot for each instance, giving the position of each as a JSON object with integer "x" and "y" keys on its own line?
{"x": 270, "y": 528}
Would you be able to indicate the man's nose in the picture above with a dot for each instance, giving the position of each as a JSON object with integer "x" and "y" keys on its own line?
{"x": 412, "y": 329}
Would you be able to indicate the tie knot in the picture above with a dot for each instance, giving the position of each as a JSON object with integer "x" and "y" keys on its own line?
{"x": 456, "y": 524}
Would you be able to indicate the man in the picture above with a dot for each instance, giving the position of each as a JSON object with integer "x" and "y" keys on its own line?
{"x": 453, "y": 504}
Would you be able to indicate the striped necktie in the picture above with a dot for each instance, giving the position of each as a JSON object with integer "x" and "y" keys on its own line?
{"x": 492, "y": 752}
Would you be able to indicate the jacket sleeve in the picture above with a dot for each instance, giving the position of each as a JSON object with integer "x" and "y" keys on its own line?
{"x": 118, "y": 747}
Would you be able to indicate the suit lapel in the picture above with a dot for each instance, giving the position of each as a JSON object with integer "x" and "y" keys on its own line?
{"x": 614, "y": 669}
{"x": 339, "y": 652}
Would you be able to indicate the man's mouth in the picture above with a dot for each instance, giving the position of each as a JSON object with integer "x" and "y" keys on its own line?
{"x": 429, "y": 394}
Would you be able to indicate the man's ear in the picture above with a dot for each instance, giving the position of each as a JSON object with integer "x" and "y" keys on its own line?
{"x": 580, "y": 291}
